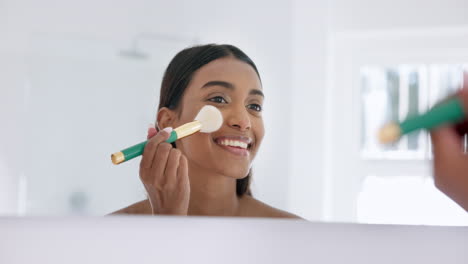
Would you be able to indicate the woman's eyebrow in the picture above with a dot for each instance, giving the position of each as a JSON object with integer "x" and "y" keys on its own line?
{"x": 231, "y": 86}
{"x": 256, "y": 92}
{"x": 227, "y": 85}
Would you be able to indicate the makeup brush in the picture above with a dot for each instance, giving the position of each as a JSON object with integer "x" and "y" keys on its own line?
{"x": 208, "y": 120}
{"x": 448, "y": 112}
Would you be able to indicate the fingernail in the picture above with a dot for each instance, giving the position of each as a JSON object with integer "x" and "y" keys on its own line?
{"x": 151, "y": 125}
{"x": 168, "y": 129}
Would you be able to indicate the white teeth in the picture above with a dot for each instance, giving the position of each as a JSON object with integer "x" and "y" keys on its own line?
{"x": 234, "y": 143}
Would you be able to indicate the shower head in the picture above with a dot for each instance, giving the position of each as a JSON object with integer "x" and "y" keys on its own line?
{"x": 133, "y": 54}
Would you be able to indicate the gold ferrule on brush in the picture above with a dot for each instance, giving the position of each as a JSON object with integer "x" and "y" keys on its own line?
{"x": 117, "y": 158}
{"x": 188, "y": 129}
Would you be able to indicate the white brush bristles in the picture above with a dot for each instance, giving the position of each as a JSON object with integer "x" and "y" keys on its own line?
{"x": 210, "y": 118}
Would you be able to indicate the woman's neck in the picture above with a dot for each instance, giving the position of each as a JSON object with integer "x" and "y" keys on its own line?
{"x": 212, "y": 194}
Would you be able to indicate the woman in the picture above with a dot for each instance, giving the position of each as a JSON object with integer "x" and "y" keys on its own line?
{"x": 450, "y": 163}
{"x": 206, "y": 174}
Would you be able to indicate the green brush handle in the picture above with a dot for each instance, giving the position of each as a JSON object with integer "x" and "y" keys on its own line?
{"x": 450, "y": 111}
{"x": 137, "y": 150}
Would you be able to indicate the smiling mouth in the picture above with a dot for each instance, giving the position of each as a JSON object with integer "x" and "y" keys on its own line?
{"x": 236, "y": 145}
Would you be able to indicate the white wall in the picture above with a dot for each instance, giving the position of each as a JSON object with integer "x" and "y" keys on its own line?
{"x": 263, "y": 33}
{"x": 379, "y": 15}
{"x": 310, "y": 41}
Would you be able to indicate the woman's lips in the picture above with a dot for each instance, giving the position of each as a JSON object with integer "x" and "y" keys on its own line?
{"x": 237, "y": 145}
{"x": 235, "y": 150}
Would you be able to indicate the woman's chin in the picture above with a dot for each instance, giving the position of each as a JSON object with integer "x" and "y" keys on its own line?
{"x": 235, "y": 174}
{"x": 232, "y": 172}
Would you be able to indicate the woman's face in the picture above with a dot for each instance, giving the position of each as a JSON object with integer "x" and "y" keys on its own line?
{"x": 234, "y": 88}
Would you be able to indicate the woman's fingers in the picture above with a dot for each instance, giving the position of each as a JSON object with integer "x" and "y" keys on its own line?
{"x": 182, "y": 173}
{"x": 159, "y": 164}
{"x": 462, "y": 128}
{"x": 171, "y": 168}
{"x": 450, "y": 163}
{"x": 151, "y": 147}
{"x": 151, "y": 132}
{"x": 446, "y": 143}
{"x": 447, "y": 148}
{"x": 164, "y": 173}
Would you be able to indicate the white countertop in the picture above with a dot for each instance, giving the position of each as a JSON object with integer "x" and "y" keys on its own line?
{"x": 141, "y": 240}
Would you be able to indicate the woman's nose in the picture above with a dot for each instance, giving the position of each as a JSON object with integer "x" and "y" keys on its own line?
{"x": 239, "y": 120}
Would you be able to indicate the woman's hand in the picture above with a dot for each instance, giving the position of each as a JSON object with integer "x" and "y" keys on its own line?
{"x": 450, "y": 163}
{"x": 164, "y": 173}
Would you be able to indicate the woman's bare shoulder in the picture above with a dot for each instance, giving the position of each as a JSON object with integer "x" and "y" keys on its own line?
{"x": 141, "y": 207}
{"x": 255, "y": 208}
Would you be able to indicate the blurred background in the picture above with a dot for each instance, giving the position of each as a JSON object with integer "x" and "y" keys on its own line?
{"x": 80, "y": 80}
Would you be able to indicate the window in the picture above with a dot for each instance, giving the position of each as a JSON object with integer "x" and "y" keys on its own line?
{"x": 393, "y": 93}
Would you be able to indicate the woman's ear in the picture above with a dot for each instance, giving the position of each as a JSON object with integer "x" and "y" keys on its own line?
{"x": 165, "y": 118}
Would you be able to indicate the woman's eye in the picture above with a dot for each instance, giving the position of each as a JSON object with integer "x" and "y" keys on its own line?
{"x": 255, "y": 107}
{"x": 218, "y": 99}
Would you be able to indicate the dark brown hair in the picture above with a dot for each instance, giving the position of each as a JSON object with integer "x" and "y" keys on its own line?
{"x": 179, "y": 73}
